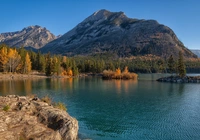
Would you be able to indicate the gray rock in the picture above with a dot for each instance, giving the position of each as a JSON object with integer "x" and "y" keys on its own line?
{"x": 34, "y": 119}
{"x": 32, "y": 36}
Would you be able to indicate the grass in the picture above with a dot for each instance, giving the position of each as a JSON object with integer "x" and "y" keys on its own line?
{"x": 47, "y": 99}
{"x": 6, "y": 108}
{"x": 61, "y": 106}
{"x": 58, "y": 105}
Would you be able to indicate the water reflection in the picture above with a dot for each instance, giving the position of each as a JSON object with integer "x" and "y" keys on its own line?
{"x": 19, "y": 87}
{"x": 121, "y": 109}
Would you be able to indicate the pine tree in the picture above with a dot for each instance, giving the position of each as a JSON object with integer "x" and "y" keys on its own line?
{"x": 48, "y": 68}
{"x": 171, "y": 64}
{"x": 181, "y": 65}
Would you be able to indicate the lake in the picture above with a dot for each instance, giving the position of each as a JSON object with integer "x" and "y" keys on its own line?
{"x": 122, "y": 109}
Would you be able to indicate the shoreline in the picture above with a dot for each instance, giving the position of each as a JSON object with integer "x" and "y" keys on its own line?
{"x": 37, "y": 75}
{"x": 178, "y": 79}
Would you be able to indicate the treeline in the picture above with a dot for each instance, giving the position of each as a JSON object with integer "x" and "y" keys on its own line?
{"x": 20, "y": 60}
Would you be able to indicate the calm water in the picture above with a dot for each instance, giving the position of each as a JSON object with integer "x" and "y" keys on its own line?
{"x": 122, "y": 110}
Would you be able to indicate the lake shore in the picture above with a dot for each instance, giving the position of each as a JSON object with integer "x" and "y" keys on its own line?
{"x": 23, "y": 117}
{"x": 37, "y": 75}
{"x": 178, "y": 79}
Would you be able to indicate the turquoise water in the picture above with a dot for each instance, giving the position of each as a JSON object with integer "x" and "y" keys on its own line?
{"x": 122, "y": 110}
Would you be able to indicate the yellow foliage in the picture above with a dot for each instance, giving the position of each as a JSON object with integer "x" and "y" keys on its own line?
{"x": 108, "y": 74}
{"x": 3, "y": 58}
{"x": 118, "y": 71}
{"x": 69, "y": 72}
{"x": 27, "y": 66}
{"x": 64, "y": 73}
{"x": 13, "y": 60}
{"x": 125, "y": 70}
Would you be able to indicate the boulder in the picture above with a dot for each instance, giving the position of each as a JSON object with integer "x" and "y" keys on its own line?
{"x": 31, "y": 118}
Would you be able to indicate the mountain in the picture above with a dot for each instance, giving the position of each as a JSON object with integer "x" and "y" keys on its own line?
{"x": 197, "y": 52}
{"x": 113, "y": 33}
{"x": 32, "y": 36}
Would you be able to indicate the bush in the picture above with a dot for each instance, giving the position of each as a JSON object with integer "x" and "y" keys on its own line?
{"x": 108, "y": 74}
{"x": 47, "y": 99}
{"x": 61, "y": 106}
{"x": 6, "y": 108}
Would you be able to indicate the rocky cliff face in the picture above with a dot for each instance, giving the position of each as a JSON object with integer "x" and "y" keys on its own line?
{"x": 30, "y": 118}
{"x": 32, "y": 36}
{"x": 114, "y": 33}
{"x": 197, "y": 52}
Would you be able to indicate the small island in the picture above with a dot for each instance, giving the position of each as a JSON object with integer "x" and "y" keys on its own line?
{"x": 178, "y": 79}
{"x": 180, "y": 69}
{"x": 109, "y": 74}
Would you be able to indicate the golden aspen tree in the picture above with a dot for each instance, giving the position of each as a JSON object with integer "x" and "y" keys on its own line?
{"x": 27, "y": 64}
{"x": 3, "y": 58}
{"x": 13, "y": 60}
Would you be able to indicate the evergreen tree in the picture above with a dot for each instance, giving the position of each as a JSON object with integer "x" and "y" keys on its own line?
{"x": 181, "y": 65}
{"x": 171, "y": 64}
{"x": 48, "y": 65}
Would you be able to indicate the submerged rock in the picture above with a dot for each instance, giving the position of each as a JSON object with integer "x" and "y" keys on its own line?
{"x": 30, "y": 118}
{"x": 178, "y": 79}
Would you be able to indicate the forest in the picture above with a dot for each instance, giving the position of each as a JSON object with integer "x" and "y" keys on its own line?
{"x": 20, "y": 60}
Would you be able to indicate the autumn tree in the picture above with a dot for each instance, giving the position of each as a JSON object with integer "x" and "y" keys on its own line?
{"x": 13, "y": 60}
{"x": 69, "y": 72}
{"x": 118, "y": 71}
{"x": 27, "y": 64}
{"x": 3, "y": 58}
{"x": 181, "y": 65}
{"x": 125, "y": 70}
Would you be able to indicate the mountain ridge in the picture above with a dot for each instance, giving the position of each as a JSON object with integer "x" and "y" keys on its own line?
{"x": 113, "y": 32}
{"x": 33, "y": 36}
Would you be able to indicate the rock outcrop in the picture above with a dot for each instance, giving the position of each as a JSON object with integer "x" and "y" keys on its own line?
{"x": 33, "y": 37}
{"x": 113, "y": 33}
{"x": 197, "y": 52}
{"x": 178, "y": 79}
{"x": 30, "y": 118}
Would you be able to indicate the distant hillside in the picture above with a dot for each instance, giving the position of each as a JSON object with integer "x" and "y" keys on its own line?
{"x": 106, "y": 32}
{"x": 197, "y": 52}
{"x": 32, "y": 36}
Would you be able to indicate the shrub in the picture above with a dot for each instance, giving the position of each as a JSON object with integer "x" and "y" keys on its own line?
{"x": 61, "y": 106}
{"x": 47, "y": 99}
{"x": 108, "y": 74}
{"x": 6, "y": 108}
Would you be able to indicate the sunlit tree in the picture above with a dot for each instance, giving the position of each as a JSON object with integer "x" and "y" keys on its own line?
{"x": 27, "y": 64}
{"x": 13, "y": 60}
{"x": 3, "y": 58}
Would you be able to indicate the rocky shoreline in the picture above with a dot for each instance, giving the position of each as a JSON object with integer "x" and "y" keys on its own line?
{"x": 178, "y": 79}
{"x": 24, "y": 118}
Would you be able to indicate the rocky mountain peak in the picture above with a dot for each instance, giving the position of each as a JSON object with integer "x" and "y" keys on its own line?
{"x": 106, "y": 32}
{"x": 31, "y": 36}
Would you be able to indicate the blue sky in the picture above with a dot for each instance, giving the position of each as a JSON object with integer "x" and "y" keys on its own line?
{"x": 59, "y": 16}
